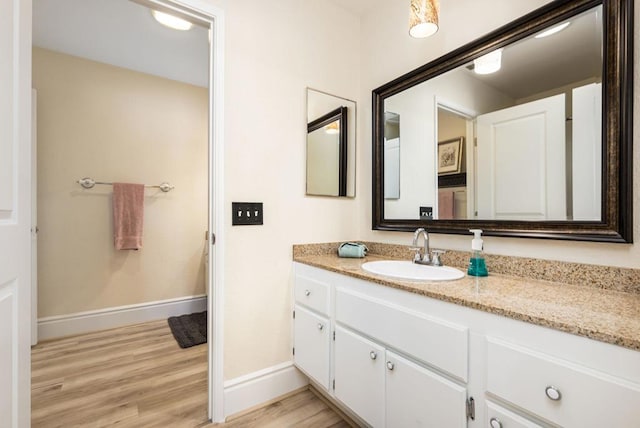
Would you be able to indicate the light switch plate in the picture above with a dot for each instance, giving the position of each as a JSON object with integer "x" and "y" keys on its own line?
{"x": 426, "y": 213}
{"x": 246, "y": 213}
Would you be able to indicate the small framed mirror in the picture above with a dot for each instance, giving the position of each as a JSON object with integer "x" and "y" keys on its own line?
{"x": 330, "y": 145}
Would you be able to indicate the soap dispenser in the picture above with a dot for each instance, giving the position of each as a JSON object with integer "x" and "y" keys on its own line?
{"x": 477, "y": 265}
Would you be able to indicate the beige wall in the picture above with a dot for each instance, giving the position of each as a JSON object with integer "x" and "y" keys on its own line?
{"x": 384, "y": 32}
{"x": 274, "y": 50}
{"x": 114, "y": 124}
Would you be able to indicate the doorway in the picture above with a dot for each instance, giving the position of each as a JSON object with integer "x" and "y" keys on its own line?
{"x": 455, "y": 153}
{"x": 209, "y": 20}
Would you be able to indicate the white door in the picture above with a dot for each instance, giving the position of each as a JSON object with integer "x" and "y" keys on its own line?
{"x": 311, "y": 343}
{"x": 587, "y": 152}
{"x": 392, "y": 168}
{"x": 417, "y": 397}
{"x": 15, "y": 217}
{"x": 521, "y": 170}
{"x": 359, "y": 375}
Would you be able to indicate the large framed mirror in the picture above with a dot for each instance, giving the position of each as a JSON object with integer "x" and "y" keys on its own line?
{"x": 331, "y": 145}
{"x": 525, "y": 132}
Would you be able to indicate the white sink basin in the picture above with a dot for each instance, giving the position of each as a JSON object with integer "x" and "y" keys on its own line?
{"x": 408, "y": 270}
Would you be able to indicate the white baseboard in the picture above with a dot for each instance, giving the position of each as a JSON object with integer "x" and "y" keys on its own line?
{"x": 248, "y": 391}
{"x": 102, "y": 319}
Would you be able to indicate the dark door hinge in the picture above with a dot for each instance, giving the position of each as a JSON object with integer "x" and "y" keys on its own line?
{"x": 294, "y": 351}
{"x": 213, "y": 238}
{"x": 334, "y": 384}
{"x": 334, "y": 335}
{"x": 294, "y": 314}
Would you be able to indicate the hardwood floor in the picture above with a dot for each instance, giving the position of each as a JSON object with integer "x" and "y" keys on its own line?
{"x": 301, "y": 410}
{"x": 138, "y": 376}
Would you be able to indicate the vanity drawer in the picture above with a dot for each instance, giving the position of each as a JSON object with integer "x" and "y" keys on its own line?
{"x": 312, "y": 293}
{"x": 560, "y": 391}
{"x": 434, "y": 341}
{"x": 499, "y": 417}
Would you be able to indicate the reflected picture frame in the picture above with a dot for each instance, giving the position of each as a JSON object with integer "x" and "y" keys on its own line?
{"x": 450, "y": 156}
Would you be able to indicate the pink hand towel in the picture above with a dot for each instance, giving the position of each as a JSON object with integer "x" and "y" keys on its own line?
{"x": 128, "y": 214}
{"x": 445, "y": 205}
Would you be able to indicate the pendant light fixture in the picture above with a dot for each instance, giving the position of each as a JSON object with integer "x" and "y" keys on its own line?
{"x": 423, "y": 18}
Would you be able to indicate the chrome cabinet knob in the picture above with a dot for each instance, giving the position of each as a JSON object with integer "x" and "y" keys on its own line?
{"x": 390, "y": 365}
{"x": 307, "y": 292}
{"x": 320, "y": 326}
{"x": 373, "y": 355}
{"x": 553, "y": 393}
{"x": 495, "y": 423}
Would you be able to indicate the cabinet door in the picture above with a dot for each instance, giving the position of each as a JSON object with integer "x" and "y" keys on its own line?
{"x": 560, "y": 391}
{"x": 359, "y": 375}
{"x": 417, "y": 397}
{"x": 311, "y": 343}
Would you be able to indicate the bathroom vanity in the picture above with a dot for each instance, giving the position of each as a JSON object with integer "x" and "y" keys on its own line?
{"x": 499, "y": 351}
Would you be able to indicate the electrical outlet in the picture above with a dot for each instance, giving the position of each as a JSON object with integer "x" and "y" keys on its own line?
{"x": 246, "y": 213}
{"x": 426, "y": 213}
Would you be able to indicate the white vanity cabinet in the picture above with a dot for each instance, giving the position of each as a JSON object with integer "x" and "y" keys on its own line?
{"x": 399, "y": 359}
{"x": 418, "y": 397}
{"x": 499, "y": 417}
{"x": 359, "y": 370}
{"x": 386, "y": 389}
{"x": 312, "y": 329}
{"x": 311, "y": 335}
{"x": 557, "y": 390}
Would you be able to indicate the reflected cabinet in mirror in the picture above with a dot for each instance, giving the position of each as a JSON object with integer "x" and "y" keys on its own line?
{"x": 330, "y": 145}
{"x": 524, "y": 132}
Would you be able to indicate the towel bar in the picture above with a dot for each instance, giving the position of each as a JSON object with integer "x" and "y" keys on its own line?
{"x": 88, "y": 183}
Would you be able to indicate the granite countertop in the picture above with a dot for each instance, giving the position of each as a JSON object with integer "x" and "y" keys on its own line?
{"x": 606, "y": 315}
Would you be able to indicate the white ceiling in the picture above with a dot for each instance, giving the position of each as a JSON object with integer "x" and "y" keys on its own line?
{"x": 122, "y": 33}
{"x": 359, "y": 7}
{"x": 574, "y": 55}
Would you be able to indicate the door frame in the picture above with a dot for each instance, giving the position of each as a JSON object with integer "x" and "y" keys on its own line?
{"x": 214, "y": 16}
{"x": 470, "y": 146}
{"x": 15, "y": 213}
{"x": 204, "y": 11}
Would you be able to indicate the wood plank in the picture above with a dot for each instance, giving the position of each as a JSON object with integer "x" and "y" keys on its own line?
{"x": 137, "y": 376}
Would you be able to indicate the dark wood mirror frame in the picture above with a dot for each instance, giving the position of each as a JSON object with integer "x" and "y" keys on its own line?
{"x": 340, "y": 115}
{"x": 617, "y": 127}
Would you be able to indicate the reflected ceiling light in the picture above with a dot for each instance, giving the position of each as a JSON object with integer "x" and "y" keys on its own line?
{"x": 332, "y": 128}
{"x": 552, "y": 30}
{"x": 171, "y": 21}
{"x": 423, "y": 18}
{"x": 489, "y": 63}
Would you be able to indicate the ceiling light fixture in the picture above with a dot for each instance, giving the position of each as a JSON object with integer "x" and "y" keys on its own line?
{"x": 171, "y": 21}
{"x": 423, "y": 18}
{"x": 489, "y": 63}
{"x": 553, "y": 30}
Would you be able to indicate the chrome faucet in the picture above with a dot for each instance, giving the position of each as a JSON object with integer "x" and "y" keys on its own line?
{"x": 424, "y": 255}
